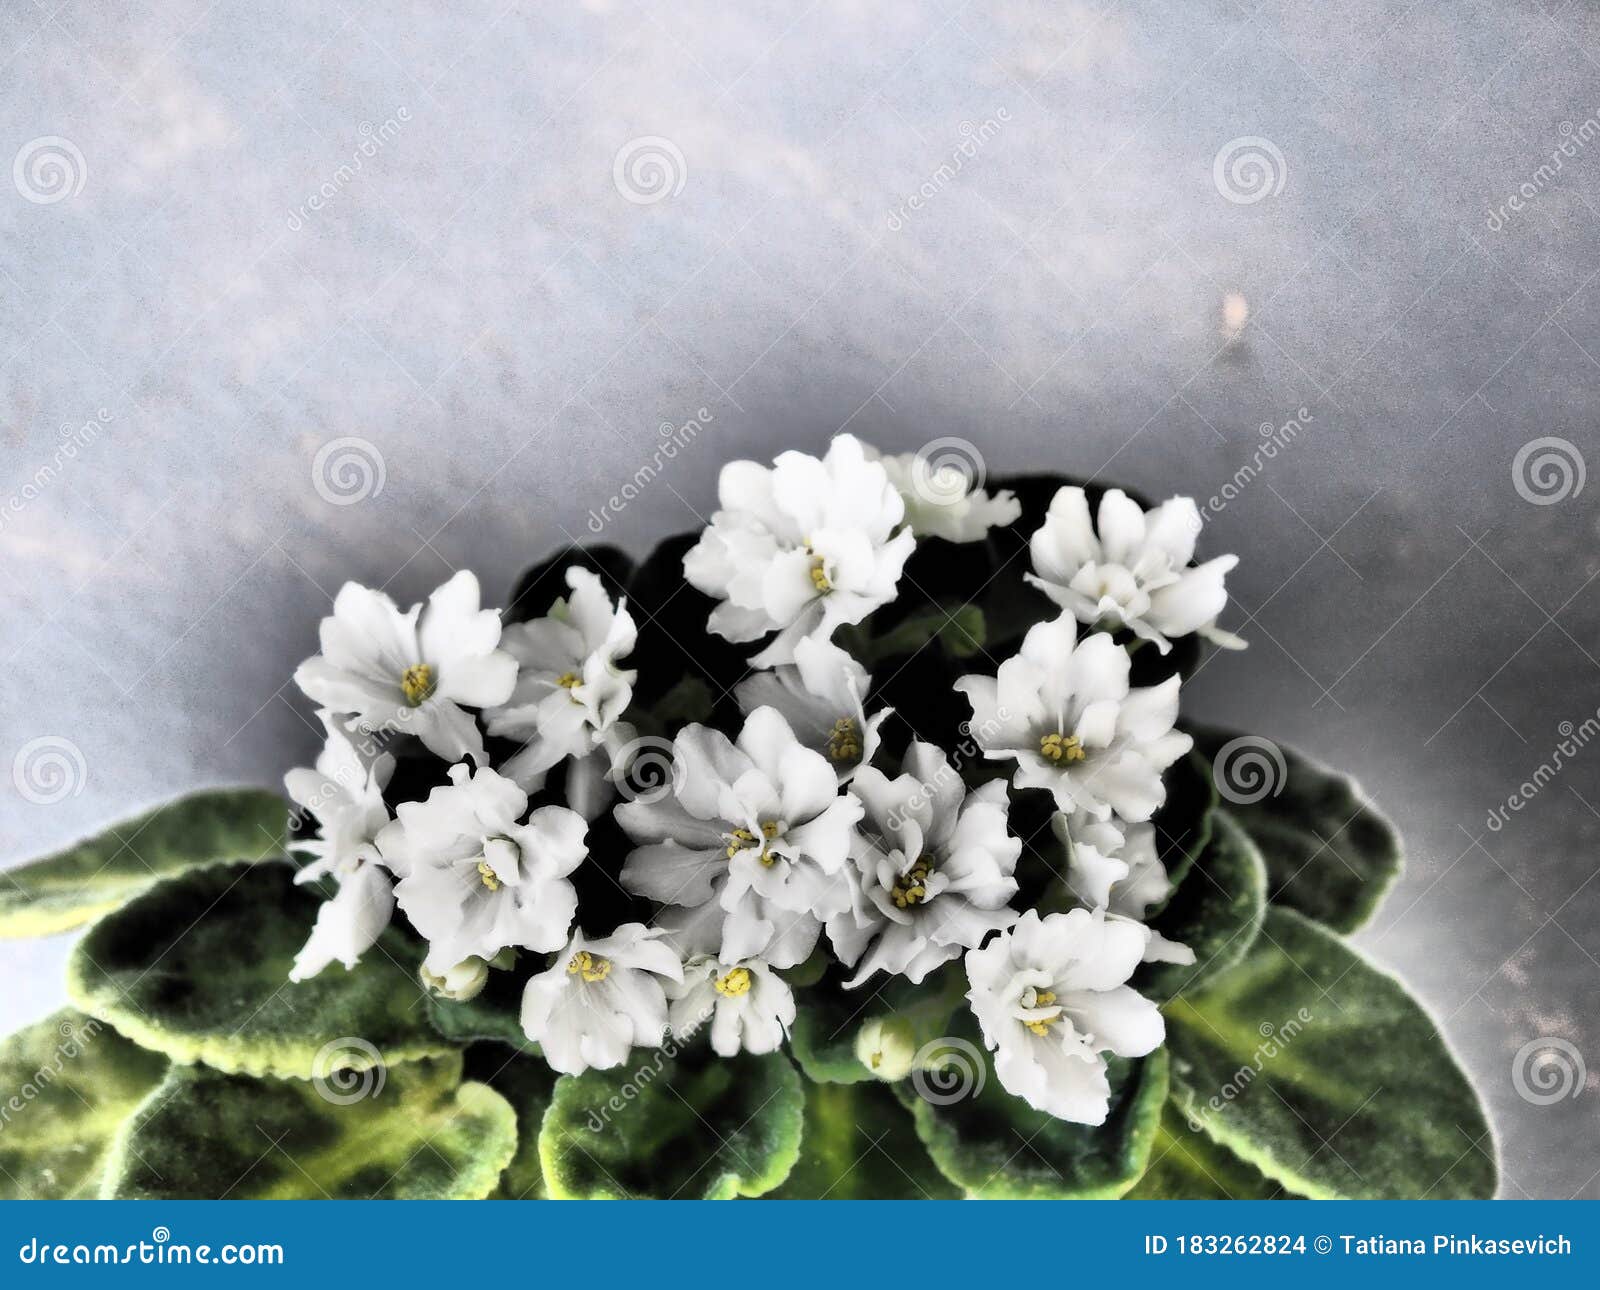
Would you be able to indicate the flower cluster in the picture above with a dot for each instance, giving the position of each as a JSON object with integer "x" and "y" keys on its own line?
{"x": 472, "y": 772}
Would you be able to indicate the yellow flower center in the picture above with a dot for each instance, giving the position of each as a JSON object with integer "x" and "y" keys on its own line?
{"x": 1059, "y": 747}
{"x": 1042, "y": 999}
{"x": 844, "y": 742}
{"x": 417, "y": 684}
{"x": 487, "y": 875}
{"x": 742, "y": 840}
{"x": 734, "y": 984}
{"x": 591, "y": 967}
{"x": 911, "y": 887}
{"x": 569, "y": 680}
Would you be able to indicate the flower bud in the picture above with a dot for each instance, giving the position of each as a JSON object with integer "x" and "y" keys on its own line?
{"x": 459, "y": 983}
{"x": 886, "y": 1047}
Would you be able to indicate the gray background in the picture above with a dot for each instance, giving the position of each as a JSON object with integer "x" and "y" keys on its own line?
{"x": 481, "y": 304}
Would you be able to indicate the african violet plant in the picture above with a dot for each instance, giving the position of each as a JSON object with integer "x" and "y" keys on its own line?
{"x": 929, "y": 897}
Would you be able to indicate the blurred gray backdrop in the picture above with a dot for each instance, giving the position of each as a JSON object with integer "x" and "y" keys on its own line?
{"x": 309, "y": 291}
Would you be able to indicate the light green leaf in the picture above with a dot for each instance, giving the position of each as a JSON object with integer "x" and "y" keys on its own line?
{"x": 1187, "y": 1165}
{"x": 1319, "y": 1069}
{"x": 997, "y": 1147}
{"x": 68, "y": 1082}
{"x": 689, "y": 1127}
{"x": 1216, "y": 912}
{"x": 860, "y": 1143}
{"x": 64, "y": 890}
{"x": 412, "y": 1132}
{"x": 1328, "y": 851}
{"x": 198, "y": 968}
{"x": 528, "y": 1084}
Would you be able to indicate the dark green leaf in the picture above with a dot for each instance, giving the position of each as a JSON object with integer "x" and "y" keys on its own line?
{"x": 412, "y": 1132}
{"x": 1187, "y": 1165}
{"x": 198, "y": 968}
{"x": 959, "y": 629}
{"x": 98, "y": 874}
{"x": 686, "y": 1127}
{"x": 823, "y": 1038}
{"x": 495, "y": 1014}
{"x": 68, "y": 1082}
{"x": 860, "y": 1144}
{"x": 528, "y": 1085}
{"x": 1328, "y": 852}
{"x": 1320, "y": 1070}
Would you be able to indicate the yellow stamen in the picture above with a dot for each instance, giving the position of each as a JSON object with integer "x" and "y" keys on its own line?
{"x": 734, "y": 984}
{"x": 844, "y": 743}
{"x": 417, "y": 684}
{"x": 911, "y": 887}
{"x": 819, "y": 574}
{"x": 743, "y": 840}
{"x": 487, "y": 875}
{"x": 591, "y": 967}
{"x": 1059, "y": 747}
{"x": 569, "y": 680}
{"x": 1042, "y": 999}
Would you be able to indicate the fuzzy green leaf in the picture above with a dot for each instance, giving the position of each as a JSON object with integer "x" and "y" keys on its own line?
{"x": 68, "y": 1082}
{"x": 528, "y": 1085}
{"x": 98, "y": 874}
{"x": 1319, "y": 1069}
{"x": 997, "y": 1147}
{"x": 688, "y": 1127}
{"x": 1187, "y": 1165}
{"x": 198, "y": 968}
{"x": 860, "y": 1143}
{"x": 412, "y": 1132}
{"x": 1328, "y": 851}
{"x": 495, "y": 1015}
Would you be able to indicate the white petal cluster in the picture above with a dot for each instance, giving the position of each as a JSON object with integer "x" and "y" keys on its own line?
{"x": 1116, "y": 868}
{"x": 822, "y": 695}
{"x": 942, "y": 499}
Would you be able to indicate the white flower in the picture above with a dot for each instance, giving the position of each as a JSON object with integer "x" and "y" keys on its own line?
{"x": 345, "y": 796}
{"x": 820, "y": 695}
{"x": 570, "y": 694}
{"x": 749, "y": 1006}
{"x": 1117, "y": 868}
{"x": 887, "y": 1046}
{"x": 1135, "y": 572}
{"x": 460, "y": 982}
{"x": 800, "y": 548}
{"x": 755, "y": 831}
{"x": 1051, "y": 996}
{"x": 940, "y": 500}
{"x": 473, "y": 880}
{"x": 1063, "y": 709}
{"x": 932, "y": 865}
{"x": 412, "y": 672}
{"x": 600, "y": 998}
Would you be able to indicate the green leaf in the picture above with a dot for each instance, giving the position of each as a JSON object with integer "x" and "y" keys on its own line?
{"x": 997, "y": 1147}
{"x": 1184, "y": 822}
{"x": 64, "y": 890}
{"x": 860, "y": 1143}
{"x": 828, "y": 1018}
{"x": 691, "y": 1126}
{"x": 958, "y": 628}
{"x": 68, "y": 1082}
{"x": 495, "y": 1015}
{"x": 198, "y": 968}
{"x": 1319, "y": 1069}
{"x": 1187, "y": 1165}
{"x": 528, "y": 1085}
{"x": 412, "y": 1132}
{"x": 1217, "y": 912}
{"x": 1328, "y": 852}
